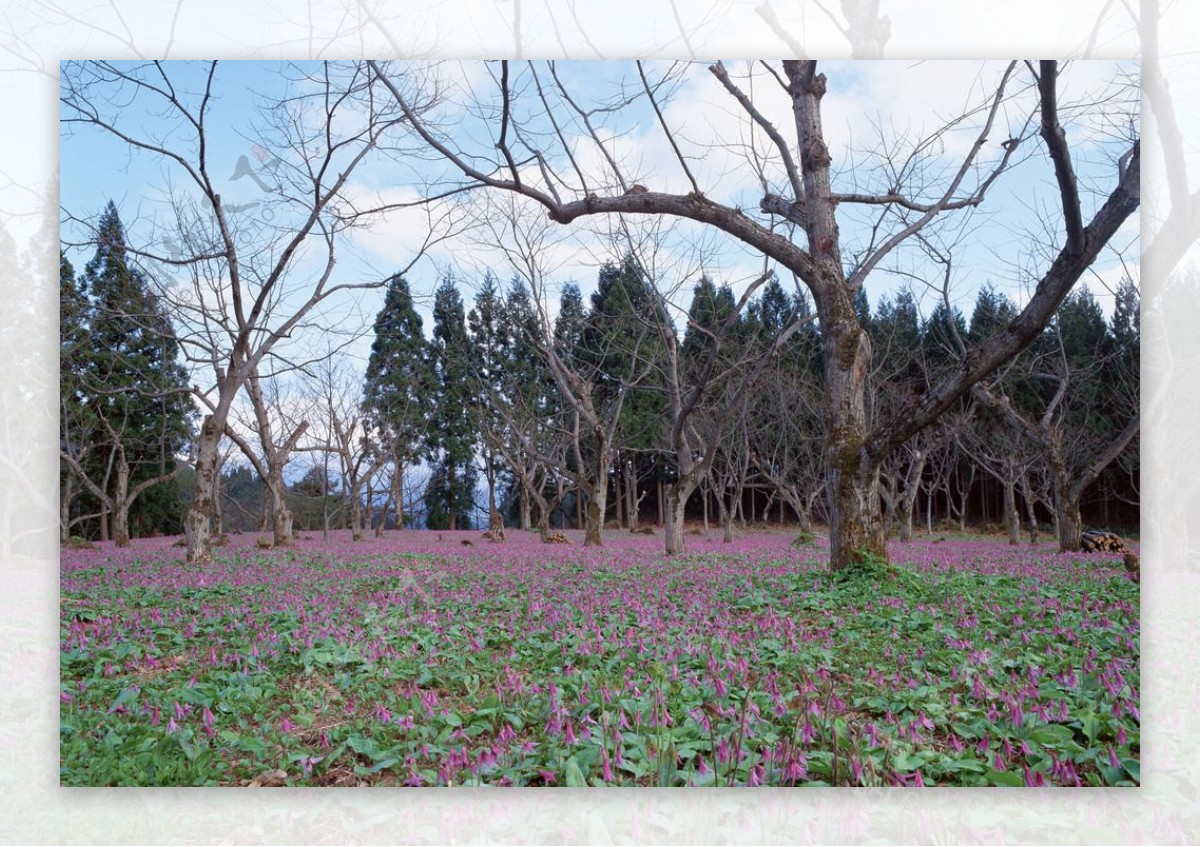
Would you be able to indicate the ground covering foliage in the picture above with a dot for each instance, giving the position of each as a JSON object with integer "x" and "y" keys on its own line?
{"x": 417, "y": 659}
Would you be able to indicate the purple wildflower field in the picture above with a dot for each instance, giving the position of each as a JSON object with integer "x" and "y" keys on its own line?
{"x": 417, "y": 660}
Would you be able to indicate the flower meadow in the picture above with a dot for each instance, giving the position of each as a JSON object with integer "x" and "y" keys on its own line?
{"x": 417, "y": 660}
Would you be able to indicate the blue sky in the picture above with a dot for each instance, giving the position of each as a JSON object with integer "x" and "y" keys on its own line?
{"x": 902, "y": 98}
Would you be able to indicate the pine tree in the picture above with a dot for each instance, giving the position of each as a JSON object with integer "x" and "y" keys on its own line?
{"x": 993, "y": 311}
{"x": 399, "y": 384}
{"x": 452, "y": 431}
{"x": 488, "y": 351}
{"x": 76, "y": 424}
{"x": 623, "y": 347}
{"x": 568, "y": 327}
{"x": 710, "y": 308}
{"x": 129, "y": 376}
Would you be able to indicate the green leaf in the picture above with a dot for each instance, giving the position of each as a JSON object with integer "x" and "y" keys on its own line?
{"x": 1005, "y": 779}
{"x": 574, "y": 775}
{"x": 125, "y": 698}
{"x": 956, "y": 765}
{"x": 1052, "y": 734}
{"x": 1134, "y": 768}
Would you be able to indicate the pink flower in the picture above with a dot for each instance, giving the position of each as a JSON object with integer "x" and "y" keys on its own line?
{"x": 755, "y": 777}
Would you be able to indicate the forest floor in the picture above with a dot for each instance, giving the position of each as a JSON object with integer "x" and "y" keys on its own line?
{"x": 419, "y": 659}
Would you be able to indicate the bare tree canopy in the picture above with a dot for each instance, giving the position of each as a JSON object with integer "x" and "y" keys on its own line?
{"x": 548, "y": 144}
{"x": 239, "y": 285}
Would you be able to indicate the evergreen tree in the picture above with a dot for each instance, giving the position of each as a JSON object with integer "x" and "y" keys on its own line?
{"x": 993, "y": 311}
{"x": 710, "y": 308}
{"x": 128, "y": 375}
{"x": 533, "y": 406}
{"x": 773, "y": 308}
{"x": 450, "y": 495}
{"x": 943, "y": 333}
{"x": 76, "y": 424}
{"x": 399, "y": 384}
{"x": 623, "y": 348}
{"x": 490, "y": 341}
{"x": 568, "y": 327}
{"x": 452, "y": 431}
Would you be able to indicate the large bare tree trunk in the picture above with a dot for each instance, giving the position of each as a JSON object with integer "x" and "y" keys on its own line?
{"x": 64, "y": 508}
{"x": 906, "y": 517}
{"x": 356, "y": 524}
{"x": 398, "y": 493}
{"x": 120, "y": 512}
{"x": 198, "y": 523}
{"x": 674, "y": 517}
{"x": 281, "y": 516}
{"x": 218, "y": 516}
{"x": 908, "y": 501}
{"x": 1030, "y": 507}
{"x": 1069, "y": 524}
{"x": 632, "y": 503}
{"x": 618, "y": 493}
{"x": 595, "y": 516}
{"x": 855, "y": 522}
{"x": 1012, "y": 518}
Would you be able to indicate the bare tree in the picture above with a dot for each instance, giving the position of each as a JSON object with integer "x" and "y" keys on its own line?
{"x": 248, "y": 282}
{"x": 1076, "y": 455}
{"x": 344, "y": 433}
{"x": 590, "y": 418}
{"x": 271, "y": 412}
{"x": 538, "y": 158}
{"x": 1004, "y": 454}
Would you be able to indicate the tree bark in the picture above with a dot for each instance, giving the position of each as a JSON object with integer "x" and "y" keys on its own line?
{"x": 64, "y": 507}
{"x": 218, "y": 513}
{"x": 398, "y": 492}
{"x": 198, "y": 523}
{"x": 356, "y": 524}
{"x": 281, "y": 515}
{"x": 1030, "y": 507}
{"x": 618, "y": 493}
{"x": 1069, "y": 524}
{"x": 1012, "y": 518}
{"x": 906, "y": 518}
{"x": 524, "y": 511}
{"x": 595, "y": 517}
{"x": 855, "y": 522}
{"x": 632, "y": 505}
{"x": 676, "y": 508}
{"x": 120, "y": 512}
